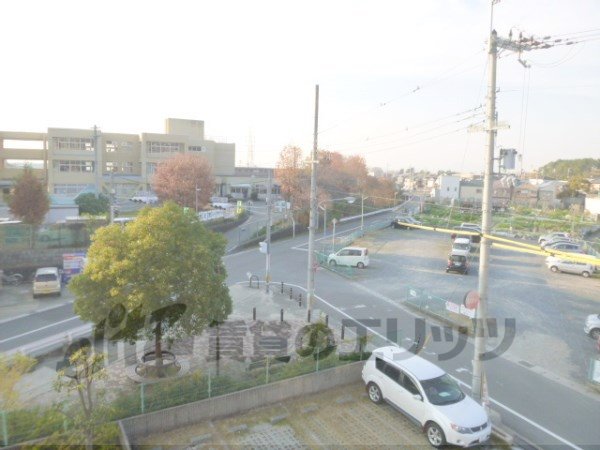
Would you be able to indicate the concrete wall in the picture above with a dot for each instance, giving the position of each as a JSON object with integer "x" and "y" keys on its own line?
{"x": 32, "y": 259}
{"x": 238, "y": 402}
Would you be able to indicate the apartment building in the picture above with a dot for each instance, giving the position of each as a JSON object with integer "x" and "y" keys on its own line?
{"x": 72, "y": 161}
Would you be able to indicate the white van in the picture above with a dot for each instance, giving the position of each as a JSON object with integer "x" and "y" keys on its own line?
{"x": 564, "y": 265}
{"x": 46, "y": 281}
{"x": 461, "y": 246}
{"x": 427, "y": 395}
{"x": 350, "y": 256}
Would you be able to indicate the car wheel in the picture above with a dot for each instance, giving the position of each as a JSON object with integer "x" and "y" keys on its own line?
{"x": 360, "y": 265}
{"x": 447, "y": 271}
{"x": 585, "y": 274}
{"x": 333, "y": 263}
{"x": 554, "y": 269}
{"x": 595, "y": 333}
{"x": 374, "y": 393}
{"x": 435, "y": 435}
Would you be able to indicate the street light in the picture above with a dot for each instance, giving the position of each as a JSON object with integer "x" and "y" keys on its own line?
{"x": 197, "y": 190}
{"x": 323, "y": 206}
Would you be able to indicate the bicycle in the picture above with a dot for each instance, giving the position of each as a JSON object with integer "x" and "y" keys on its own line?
{"x": 14, "y": 279}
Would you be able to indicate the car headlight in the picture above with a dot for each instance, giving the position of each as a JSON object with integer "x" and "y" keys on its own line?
{"x": 459, "y": 429}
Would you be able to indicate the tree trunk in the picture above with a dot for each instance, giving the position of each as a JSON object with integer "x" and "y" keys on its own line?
{"x": 158, "y": 349}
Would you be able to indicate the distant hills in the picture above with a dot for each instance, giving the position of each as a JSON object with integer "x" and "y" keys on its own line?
{"x": 568, "y": 168}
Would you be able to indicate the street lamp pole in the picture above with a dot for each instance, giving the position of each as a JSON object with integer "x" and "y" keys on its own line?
{"x": 334, "y": 221}
{"x": 310, "y": 282}
{"x": 197, "y": 190}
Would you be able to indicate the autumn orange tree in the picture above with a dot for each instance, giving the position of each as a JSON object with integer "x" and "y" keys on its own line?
{"x": 29, "y": 200}
{"x": 177, "y": 178}
{"x": 337, "y": 176}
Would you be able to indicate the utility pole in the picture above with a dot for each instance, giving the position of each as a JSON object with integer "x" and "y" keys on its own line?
{"x": 312, "y": 226}
{"x": 478, "y": 390}
{"x": 111, "y": 196}
{"x": 486, "y": 221}
{"x": 97, "y": 168}
{"x": 269, "y": 203}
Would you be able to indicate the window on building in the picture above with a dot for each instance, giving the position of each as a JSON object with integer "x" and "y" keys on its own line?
{"x": 69, "y": 189}
{"x": 478, "y": 191}
{"x": 72, "y": 143}
{"x": 164, "y": 147}
{"x": 73, "y": 166}
{"x": 150, "y": 168}
{"x": 196, "y": 148}
{"x": 116, "y": 146}
{"x": 21, "y": 163}
{"x": 119, "y": 166}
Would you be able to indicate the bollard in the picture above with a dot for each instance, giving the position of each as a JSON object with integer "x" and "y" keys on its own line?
{"x": 308, "y": 316}
{"x": 282, "y": 287}
{"x": 300, "y": 300}
{"x": 254, "y": 313}
{"x": 291, "y": 293}
{"x": 281, "y": 314}
{"x": 327, "y": 320}
{"x": 343, "y": 329}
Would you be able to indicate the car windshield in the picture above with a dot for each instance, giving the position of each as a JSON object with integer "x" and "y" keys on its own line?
{"x": 45, "y": 277}
{"x": 442, "y": 390}
{"x": 461, "y": 246}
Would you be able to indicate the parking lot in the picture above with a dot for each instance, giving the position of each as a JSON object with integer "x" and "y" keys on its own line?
{"x": 341, "y": 417}
{"x": 549, "y": 308}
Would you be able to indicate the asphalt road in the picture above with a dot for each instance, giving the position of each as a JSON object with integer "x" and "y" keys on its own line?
{"x": 545, "y": 411}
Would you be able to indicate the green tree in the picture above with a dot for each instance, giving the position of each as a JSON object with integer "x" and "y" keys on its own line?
{"x": 162, "y": 275}
{"x": 29, "y": 200}
{"x": 81, "y": 376}
{"x": 90, "y": 204}
{"x": 11, "y": 371}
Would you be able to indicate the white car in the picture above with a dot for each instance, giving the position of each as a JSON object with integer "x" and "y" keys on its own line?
{"x": 47, "y": 280}
{"x": 553, "y": 236}
{"x": 350, "y": 256}
{"x": 461, "y": 246}
{"x": 592, "y": 326}
{"x": 427, "y": 395}
{"x": 568, "y": 266}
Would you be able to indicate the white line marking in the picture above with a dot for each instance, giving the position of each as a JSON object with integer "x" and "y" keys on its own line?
{"x": 529, "y": 421}
{"x": 38, "y": 329}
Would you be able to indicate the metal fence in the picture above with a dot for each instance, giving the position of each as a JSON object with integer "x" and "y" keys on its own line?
{"x": 23, "y": 236}
{"x": 29, "y": 424}
{"x": 439, "y": 307}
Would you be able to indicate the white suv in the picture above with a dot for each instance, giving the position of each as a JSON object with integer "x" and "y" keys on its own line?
{"x": 427, "y": 395}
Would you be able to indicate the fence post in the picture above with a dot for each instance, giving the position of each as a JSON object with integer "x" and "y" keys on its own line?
{"x": 142, "y": 399}
{"x": 267, "y": 374}
{"x": 209, "y": 383}
{"x": 342, "y": 334}
{"x": 291, "y": 293}
{"x": 318, "y": 359}
{"x": 281, "y": 315}
{"x": 254, "y": 313}
{"x": 4, "y": 428}
{"x": 300, "y": 300}
{"x": 282, "y": 287}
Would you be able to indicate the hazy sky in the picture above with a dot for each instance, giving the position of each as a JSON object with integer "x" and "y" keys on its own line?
{"x": 397, "y": 78}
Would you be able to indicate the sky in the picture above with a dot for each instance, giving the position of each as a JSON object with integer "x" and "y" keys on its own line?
{"x": 399, "y": 81}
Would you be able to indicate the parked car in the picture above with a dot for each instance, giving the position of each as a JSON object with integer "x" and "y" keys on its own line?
{"x": 461, "y": 246}
{"x": 398, "y": 220}
{"x": 565, "y": 247}
{"x": 474, "y": 226}
{"x": 556, "y": 264}
{"x": 427, "y": 395}
{"x": 46, "y": 281}
{"x": 457, "y": 263}
{"x": 592, "y": 326}
{"x": 350, "y": 256}
{"x": 558, "y": 240}
{"x": 475, "y": 238}
{"x": 551, "y": 236}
